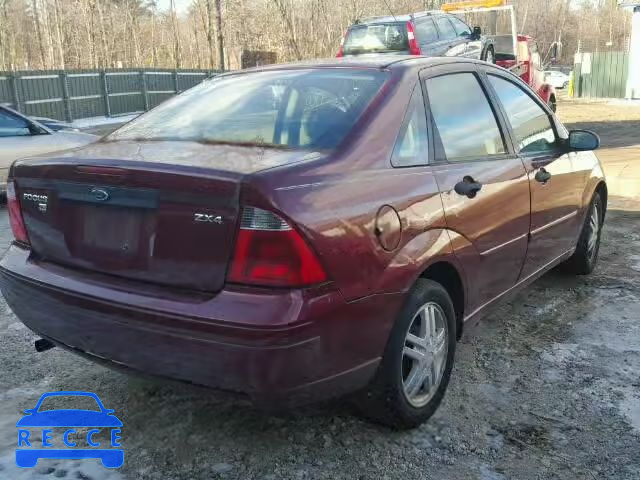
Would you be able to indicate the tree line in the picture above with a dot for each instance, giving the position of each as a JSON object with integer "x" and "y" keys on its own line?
{"x": 211, "y": 34}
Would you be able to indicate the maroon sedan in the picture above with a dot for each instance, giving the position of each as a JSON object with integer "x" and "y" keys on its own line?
{"x": 304, "y": 231}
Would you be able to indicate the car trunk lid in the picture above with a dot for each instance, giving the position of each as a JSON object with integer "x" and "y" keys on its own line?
{"x": 168, "y": 223}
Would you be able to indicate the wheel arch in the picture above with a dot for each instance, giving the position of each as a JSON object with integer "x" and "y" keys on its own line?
{"x": 602, "y": 189}
{"x": 446, "y": 274}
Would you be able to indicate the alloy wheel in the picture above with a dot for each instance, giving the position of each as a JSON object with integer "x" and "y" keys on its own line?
{"x": 424, "y": 354}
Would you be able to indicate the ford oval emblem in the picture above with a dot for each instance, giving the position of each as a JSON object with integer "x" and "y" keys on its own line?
{"x": 100, "y": 194}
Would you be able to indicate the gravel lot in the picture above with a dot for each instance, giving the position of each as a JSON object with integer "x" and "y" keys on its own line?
{"x": 546, "y": 387}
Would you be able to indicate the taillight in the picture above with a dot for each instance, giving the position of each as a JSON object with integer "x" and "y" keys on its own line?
{"x": 269, "y": 252}
{"x": 15, "y": 215}
{"x": 414, "y": 48}
{"x": 341, "y": 49}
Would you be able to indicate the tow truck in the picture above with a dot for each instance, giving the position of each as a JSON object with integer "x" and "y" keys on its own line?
{"x": 515, "y": 52}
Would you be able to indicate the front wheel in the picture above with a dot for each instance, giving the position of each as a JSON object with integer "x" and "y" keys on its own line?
{"x": 584, "y": 259}
{"x": 489, "y": 56}
{"x": 414, "y": 372}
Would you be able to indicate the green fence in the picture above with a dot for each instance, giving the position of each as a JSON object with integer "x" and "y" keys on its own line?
{"x": 74, "y": 94}
{"x": 600, "y": 75}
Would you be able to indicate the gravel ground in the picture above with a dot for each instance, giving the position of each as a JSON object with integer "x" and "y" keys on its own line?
{"x": 545, "y": 387}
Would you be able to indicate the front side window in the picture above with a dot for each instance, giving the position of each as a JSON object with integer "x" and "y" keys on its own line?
{"x": 376, "y": 38}
{"x": 12, "y": 126}
{"x": 305, "y": 109}
{"x": 529, "y": 122}
{"x": 412, "y": 145}
{"x": 446, "y": 29}
{"x": 463, "y": 117}
{"x": 462, "y": 29}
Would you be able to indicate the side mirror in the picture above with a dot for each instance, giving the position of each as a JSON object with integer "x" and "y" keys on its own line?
{"x": 580, "y": 140}
{"x": 35, "y": 129}
{"x": 477, "y": 32}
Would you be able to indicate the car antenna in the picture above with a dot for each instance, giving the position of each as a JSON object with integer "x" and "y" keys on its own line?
{"x": 390, "y": 11}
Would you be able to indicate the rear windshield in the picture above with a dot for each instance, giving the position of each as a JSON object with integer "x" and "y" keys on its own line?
{"x": 307, "y": 109}
{"x": 376, "y": 38}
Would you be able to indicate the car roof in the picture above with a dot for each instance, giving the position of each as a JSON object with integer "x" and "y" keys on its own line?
{"x": 379, "y": 62}
{"x": 397, "y": 18}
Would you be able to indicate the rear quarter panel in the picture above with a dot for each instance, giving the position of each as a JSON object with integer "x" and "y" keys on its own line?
{"x": 335, "y": 202}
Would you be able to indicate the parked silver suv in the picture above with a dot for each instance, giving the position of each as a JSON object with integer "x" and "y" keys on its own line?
{"x": 21, "y": 137}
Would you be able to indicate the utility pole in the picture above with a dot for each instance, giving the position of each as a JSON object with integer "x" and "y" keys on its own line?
{"x": 633, "y": 80}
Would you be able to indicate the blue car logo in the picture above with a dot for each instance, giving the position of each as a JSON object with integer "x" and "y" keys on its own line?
{"x": 27, "y": 456}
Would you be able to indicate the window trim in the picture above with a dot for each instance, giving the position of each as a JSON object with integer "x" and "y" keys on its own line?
{"x": 440, "y": 156}
{"x": 535, "y": 98}
{"x": 405, "y": 120}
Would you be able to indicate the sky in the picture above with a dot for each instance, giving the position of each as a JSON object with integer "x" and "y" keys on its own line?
{"x": 181, "y": 5}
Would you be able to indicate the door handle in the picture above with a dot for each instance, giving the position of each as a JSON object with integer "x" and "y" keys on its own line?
{"x": 468, "y": 187}
{"x": 543, "y": 176}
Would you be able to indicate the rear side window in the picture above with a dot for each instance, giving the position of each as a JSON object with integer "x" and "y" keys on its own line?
{"x": 412, "y": 145}
{"x": 446, "y": 29}
{"x": 306, "y": 109}
{"x": 463, "y": 117}
{"x": 462, "y": 29}
{"x": 426, "y": 31}
{"x": 529, "y": 122}
{"x": 12, "y": 126}
{"x": 382, "y": 37}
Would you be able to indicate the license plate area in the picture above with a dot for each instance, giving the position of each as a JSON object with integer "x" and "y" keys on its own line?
{"x": 116, "y": 230}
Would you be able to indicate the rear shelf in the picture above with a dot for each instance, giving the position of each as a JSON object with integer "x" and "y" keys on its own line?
{"x": 146, "y": 223}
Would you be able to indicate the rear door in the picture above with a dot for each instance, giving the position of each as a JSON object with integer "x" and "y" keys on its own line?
{"x": 483, "y": 184}
{"x": 452, "y": 45}
{"x": 427, "y": 37}
{"x": 556, "y": 178}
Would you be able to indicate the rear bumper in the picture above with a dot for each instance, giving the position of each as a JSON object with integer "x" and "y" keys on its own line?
{"x": 283, "y": 347}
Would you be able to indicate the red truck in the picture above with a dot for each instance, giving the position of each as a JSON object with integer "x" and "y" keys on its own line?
{"x": 527, "y": 64}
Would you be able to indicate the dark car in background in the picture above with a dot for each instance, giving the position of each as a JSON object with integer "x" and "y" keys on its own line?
{"x": 432, "y": 34}
{"x": 303, "y": 231}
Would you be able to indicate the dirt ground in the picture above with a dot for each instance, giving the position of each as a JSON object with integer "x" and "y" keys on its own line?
{"x": 545, "y": 387}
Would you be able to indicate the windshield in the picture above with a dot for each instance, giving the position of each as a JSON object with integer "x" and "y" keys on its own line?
{"x": 383, "y": 37}
{"x": 310, "y": 109}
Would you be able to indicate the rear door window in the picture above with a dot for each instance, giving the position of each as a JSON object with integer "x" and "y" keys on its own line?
{"x": 12, "y": 126}
{"x": 529, "y": 122}
{"x": 426, "y": 31}
{"x": 446, "y": 29}
{"x": 376, "y": 38}
{"x": 463, "y": 117}
{"x": 411, "y": 148}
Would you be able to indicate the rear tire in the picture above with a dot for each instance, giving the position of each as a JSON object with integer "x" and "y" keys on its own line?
{"x": 414, "y": 372}
{"x": 584, "y": 259}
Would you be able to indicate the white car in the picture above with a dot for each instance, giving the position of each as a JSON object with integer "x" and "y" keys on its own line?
{"x": 557, "y": 79}
{"x": 21, "y": 136}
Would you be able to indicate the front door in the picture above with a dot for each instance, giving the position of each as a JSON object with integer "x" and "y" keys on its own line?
{"x": 451, "y": 44}
{"x": 483, "y": 184}
{"x": 555, "y": 177}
